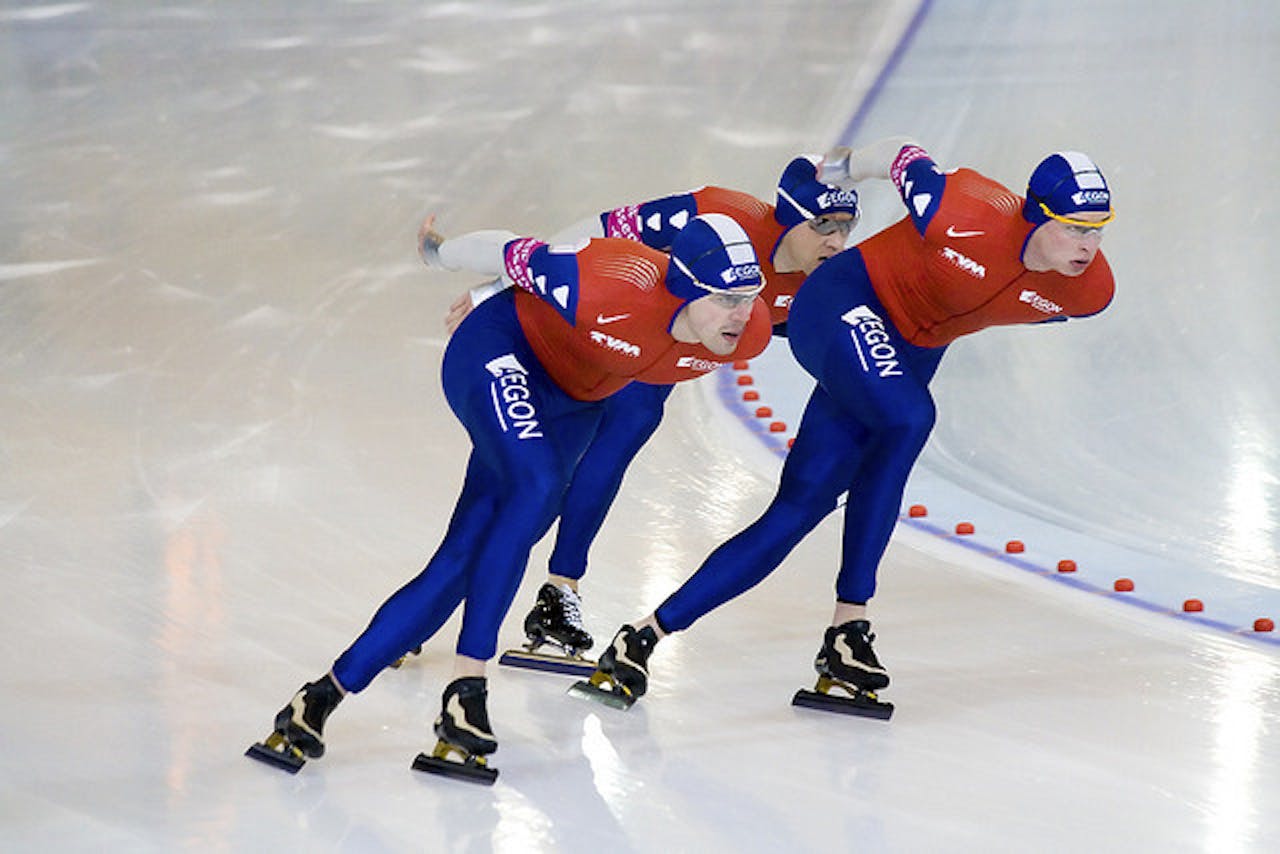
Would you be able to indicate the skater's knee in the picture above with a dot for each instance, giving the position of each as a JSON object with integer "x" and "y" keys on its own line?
{"x": 907, "y": 430}
{"x": 532, "y": 503}
{"x": 800, "y": 506}
{"x": 918, "y": 419}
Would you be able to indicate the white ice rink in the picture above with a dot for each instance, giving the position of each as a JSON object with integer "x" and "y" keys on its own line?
{"x": 223, "y": 440}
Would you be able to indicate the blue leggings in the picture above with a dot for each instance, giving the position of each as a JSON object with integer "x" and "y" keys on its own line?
{"x": 527, "y": 436}
{"x": 629, "y": 419}
{"x": 862, "y": 430}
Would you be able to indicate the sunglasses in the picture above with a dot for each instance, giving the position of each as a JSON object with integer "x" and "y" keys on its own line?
{"x": 1079, "y": 227}
{"x": 731, "y": 299}
{"x": 724, "y": 299}
{"x": 827, "y": 226}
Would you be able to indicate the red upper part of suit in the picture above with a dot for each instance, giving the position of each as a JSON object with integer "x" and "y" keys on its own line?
{"x": 954, "y": 265}
{"x": 655, "y": 222}
{"x": 599, "y": 317}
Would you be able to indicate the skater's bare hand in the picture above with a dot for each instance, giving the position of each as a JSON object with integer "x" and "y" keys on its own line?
{"x": 429, "y": 241}
{"x": 458, "y": 311}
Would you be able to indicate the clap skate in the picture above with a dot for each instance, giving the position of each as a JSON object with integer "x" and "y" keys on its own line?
{"x": 299, "y": 727}
{"x": 465, "y": 738}
{"x": 622, "y": 676}
{"x": 399, "y": 662}
{"x": 556, "y": 619}
{"x": 848, "y": 663}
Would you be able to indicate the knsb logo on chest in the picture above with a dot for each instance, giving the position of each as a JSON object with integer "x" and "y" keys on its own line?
{"x": 875, "y": 351}
{"x": 511, "y": 397}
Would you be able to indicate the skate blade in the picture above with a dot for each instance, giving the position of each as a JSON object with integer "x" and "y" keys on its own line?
{"x": 277, "y": 753}
{"x": 529, "y": 660}
{"x": 863, "y": 704}
{"x": 474, "y": 769}
{"x": 594, "y": 689}
{"x": 399, "y": 662}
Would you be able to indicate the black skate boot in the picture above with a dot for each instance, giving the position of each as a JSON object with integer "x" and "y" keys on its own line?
{"x": 556, "y": 619}
{"x": 847, "y": 661}
{"x": 299, "y": 727}
{"x": 847, "y": 656}
{"x": 622, "y": 676}
{"x": 463, "y": 731}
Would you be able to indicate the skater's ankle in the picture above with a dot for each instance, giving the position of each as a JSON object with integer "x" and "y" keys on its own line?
{"x": 465, "y": 667}
{"x": 563, "y": 581}
{"x": 342, "y": 692}
{"x": 650, "y": 622}
{"x": 848, "y": 611}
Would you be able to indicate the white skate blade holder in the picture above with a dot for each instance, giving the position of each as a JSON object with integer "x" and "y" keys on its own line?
{"x": 526, "y": 659}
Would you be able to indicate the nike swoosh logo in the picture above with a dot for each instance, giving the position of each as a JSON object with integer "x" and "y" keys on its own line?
{"x": 952, "y": 232}
{"x": 602, "y": 319}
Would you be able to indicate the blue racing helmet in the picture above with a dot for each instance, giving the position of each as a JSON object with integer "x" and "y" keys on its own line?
{"x": 712, "y": 253}
{"x": 1066, "y": 183}
{"x": 802, "y": 197}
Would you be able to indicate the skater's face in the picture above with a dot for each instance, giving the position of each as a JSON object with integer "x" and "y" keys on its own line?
{"x": 717, "y": 320}
{"x": 807, "y": 245}
{"x": 1064, "y": 247}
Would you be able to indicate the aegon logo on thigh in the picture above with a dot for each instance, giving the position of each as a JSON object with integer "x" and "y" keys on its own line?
{"x": 870, "y": 339}
{"x": 512, "y": 400}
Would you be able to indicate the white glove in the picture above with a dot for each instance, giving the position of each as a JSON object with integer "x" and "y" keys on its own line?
{"x": 833, "y": 168}
{"x": 476, "y": 251}
{"x": 874, "y": 160}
